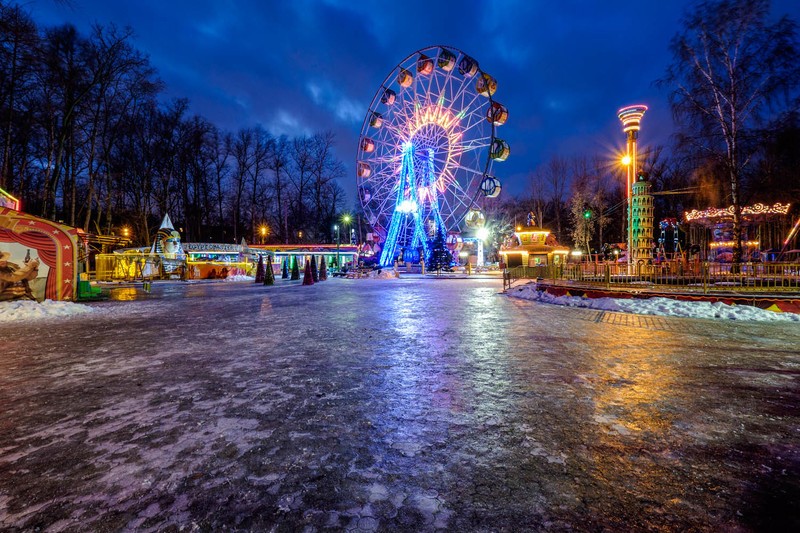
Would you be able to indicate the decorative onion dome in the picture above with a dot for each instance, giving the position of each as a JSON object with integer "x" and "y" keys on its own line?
{"x": 405, "y": 78}
{"x": 486, "y": 85}
{"x": 467, "y": 66}
{"x": 497, "y": 114}
{"x": 475, "y": 218}
{"x": 363, "y": 170}
{"x": 376, "y": 120}
{"x": 388, "y": 97}
{"x": 424, "y": 64}
{"x": 490, "y": 186}
{"x": 447, "y": 59}
{"x": 367, "y": 144}
{"x": 499, "y": 150}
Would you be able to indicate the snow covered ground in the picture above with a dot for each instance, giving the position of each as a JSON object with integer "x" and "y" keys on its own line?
{"x": 28, "y": 309}
{"x": 657, "y": 306}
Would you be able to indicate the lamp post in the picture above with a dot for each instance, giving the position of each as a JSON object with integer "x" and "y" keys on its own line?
{"x": 263, "y": 231}
{"x": 631, "y": 118}
{"x": 338, "y": 264}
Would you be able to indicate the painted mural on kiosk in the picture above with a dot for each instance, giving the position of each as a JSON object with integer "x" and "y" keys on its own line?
{"x": 38, "y": 258}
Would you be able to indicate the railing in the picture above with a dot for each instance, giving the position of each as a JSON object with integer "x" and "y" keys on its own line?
{"x": 686, "y": 275}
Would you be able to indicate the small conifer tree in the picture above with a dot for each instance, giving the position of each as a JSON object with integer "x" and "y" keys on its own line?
{"x": 439, "y": 257}
{"x": 285, "y": 269}
{"x": 295, "y": 270}
{"x": 314, "y": 271}
{"x": 260, "y": 270}
{"x": 323, "y": 269}
{"x": 308, "y": 278}
{"x": 269, "y": 275}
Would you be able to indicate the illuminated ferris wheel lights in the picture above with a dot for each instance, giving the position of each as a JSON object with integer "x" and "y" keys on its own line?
{"x": 430, "y": 132}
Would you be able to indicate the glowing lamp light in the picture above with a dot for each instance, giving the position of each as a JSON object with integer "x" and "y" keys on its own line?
{"x": 407, "y": 206}
{"x": 576, "y": 253}
{"x": 626, "y": 160}
{"x": 463, "y": 254}
{"x": 482, "y": 233}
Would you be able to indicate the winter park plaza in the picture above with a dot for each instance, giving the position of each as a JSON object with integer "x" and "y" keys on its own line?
{"x": 266, "y": 331}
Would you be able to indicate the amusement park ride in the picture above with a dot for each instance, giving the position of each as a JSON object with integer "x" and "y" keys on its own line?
{"x": 426, "y": 150}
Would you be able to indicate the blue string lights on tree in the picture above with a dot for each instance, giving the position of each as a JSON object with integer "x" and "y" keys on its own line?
{"x": 427, "y": 147}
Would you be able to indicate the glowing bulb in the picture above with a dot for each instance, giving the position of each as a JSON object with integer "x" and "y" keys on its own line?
{"x": 482, "y": 233}
{"x": 626, "y": 160}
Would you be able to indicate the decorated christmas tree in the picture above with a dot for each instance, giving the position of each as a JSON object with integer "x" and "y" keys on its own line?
{"x": 439, "y": 257}
{"x": 323, "y": 269}
{"x": 308, "y": 278}
{"x": 314, "y": 272}
{"x": 269, "y": 275}
{"x": 260, "y": 270}
{"x": 295, "y": 270}
{"x": 285, "y": 269}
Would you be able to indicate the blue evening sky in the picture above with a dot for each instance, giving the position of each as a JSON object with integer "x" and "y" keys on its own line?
{"x": 302, "y": 66}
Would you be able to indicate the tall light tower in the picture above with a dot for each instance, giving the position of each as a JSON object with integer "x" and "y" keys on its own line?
{"x": 631, "y": 117}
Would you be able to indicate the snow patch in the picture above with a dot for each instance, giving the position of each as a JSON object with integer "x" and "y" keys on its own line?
{"x": 29, "y": 310}
{"x": 240, "y": 277}
{"x": 657, "y": 306}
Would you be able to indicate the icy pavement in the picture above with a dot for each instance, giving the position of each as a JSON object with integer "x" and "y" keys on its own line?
{"x": 408, "y": 405}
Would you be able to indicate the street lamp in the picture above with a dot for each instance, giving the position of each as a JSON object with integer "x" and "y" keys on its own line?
{"x": 346, "y": 218}
{"x": 263, "y": 230}
{"x": 631, "y": 117}
{"x": 338, "y": 264}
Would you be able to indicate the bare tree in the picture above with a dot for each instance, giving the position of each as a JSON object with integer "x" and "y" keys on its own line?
{"x": 556, "y": 175}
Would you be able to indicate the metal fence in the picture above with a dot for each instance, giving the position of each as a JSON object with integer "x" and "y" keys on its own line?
{"x": 685, "y": 275}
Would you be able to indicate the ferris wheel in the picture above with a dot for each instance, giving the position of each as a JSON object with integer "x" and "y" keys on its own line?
{"x": 426, "y": 149}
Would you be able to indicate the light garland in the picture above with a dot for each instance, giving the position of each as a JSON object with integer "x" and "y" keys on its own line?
{"x": 729, "y": 244}
{"x": 756, "y": 209}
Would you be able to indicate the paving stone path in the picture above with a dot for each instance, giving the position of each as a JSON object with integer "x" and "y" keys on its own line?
{"x": 400, "y": 405}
